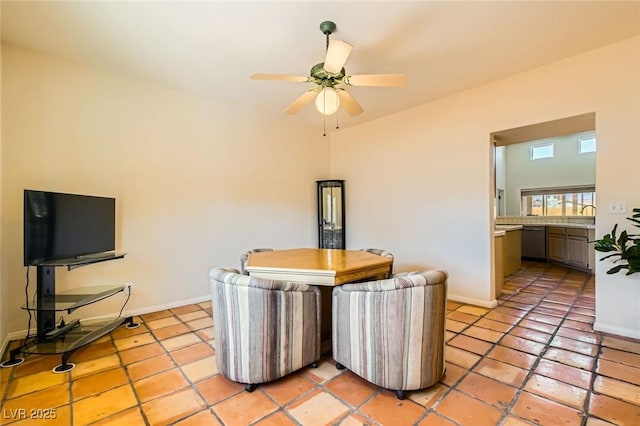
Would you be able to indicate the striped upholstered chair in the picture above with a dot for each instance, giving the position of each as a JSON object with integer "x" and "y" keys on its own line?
{"x": 263, "y": 329}
{"x": 391, "y": 332}
{"x": 380, "y": 252}
{"x": 245, "y": 256}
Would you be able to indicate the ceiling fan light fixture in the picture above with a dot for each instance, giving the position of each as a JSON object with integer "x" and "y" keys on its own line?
{"x": 327, "y": 101}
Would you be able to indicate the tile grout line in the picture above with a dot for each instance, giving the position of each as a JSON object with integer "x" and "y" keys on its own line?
{"x": 507, "y": 410}
{"x": 594, "y": 374}
{"x": 280, "y": 406}
{"x": 192, "y": 384}
{"x": 520, "y": 389}
{"x": 539, "y": 358}
{"x": 165, "y": 352}
{"x": 450, "y": 389}
{"x": 128, "y": 375}
{"x": 355, "y": 409}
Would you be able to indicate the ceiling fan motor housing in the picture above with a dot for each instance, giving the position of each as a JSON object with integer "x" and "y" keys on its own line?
{"x": 323, "y": 78}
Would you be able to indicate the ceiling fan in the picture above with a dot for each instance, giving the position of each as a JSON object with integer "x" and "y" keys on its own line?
{"x": 329, "y": 77}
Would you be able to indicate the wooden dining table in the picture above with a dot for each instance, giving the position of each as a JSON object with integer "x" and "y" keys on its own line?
{"x": 325, "y": 268}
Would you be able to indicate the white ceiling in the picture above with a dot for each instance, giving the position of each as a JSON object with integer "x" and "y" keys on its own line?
{"x": 210, "y": 48}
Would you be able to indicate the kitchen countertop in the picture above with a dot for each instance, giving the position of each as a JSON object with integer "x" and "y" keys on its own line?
{"x": 508, "y": 227}
{"x": 501, "y": 229}
{"x": 565, "y": 225}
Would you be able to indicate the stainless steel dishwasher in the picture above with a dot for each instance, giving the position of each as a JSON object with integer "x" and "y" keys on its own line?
{"x": 534, "y": 242}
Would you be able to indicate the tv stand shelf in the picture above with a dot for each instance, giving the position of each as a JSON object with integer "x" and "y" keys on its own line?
{"x": 77, "y": 336}
{"x": 58, "y": 337}
{"x": 71, "y": 300}
{"x": 77, "y": 262}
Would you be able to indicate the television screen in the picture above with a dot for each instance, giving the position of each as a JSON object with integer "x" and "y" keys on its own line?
{"x": 63, "y": 226}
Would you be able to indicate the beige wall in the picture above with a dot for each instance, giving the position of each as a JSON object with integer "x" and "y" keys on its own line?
{"x": 197, "y": 182}
{"x": 419, "y": 182}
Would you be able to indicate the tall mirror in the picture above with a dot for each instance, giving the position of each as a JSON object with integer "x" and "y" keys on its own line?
{"x": 331, "y": 230}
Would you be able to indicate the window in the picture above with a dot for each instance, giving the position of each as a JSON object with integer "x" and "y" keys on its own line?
{"x": 566, "y": 201}
{"x": 542, "y": 151}
{"x": 587, "y": 144}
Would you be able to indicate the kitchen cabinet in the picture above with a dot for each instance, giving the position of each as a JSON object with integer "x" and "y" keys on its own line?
{"x": 570, "y": 246}
{"x": 567, "y": 244}
{"x": 512, "y": 251}
{"x": 577, "y": 248}
{"x": 557, "y": 244}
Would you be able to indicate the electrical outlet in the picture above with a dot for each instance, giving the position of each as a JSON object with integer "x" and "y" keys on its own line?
{"x": 619, "y": 207}
{"x": 129, "y": 288}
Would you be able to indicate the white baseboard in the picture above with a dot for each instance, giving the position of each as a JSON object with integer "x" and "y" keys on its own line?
{"x": 17, "y": 335}
{"x": 165, "y": 306}
{"x": 472, "y": 301}
{"x": 620, "y": 331}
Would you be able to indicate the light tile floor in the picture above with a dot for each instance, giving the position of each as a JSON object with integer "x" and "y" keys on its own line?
{"x": 533, "y": 360}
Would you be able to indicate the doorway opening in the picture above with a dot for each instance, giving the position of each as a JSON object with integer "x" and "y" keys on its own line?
{"x": 507, "y": 200}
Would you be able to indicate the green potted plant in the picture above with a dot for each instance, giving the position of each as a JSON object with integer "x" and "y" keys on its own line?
{"x": 626, "y": 247}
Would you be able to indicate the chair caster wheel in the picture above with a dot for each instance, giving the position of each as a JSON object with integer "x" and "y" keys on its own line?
{"x": 250, "y": 388}
{"x": 400, "y": 394}
{"x": 314, "y": 364}
{"x": 340, "y": 366}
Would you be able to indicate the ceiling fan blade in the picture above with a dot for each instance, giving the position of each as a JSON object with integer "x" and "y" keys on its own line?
{"x": 337, "y": 54}
{"x": 301, "y": 102}
{"x": 348, "y": 103}
{"x": 384, "y": 80}
{"x": 280, "y": 77}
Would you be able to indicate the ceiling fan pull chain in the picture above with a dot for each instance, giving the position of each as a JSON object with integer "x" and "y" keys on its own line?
{"x": 324, "y": 116}
{"x": 324, "y": 125}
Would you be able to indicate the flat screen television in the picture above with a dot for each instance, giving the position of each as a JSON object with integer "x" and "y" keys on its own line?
{"x": 61, "y": 226}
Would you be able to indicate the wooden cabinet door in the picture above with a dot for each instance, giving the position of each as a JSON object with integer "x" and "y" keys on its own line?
{"x": 577, "y": 251}
{"x": 556, "y": 249}
{"x": 512, "y": 251}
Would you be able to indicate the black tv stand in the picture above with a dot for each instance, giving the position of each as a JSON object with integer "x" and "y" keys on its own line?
{"x": 63, "y": 329}
{"x": 66, "y": 338}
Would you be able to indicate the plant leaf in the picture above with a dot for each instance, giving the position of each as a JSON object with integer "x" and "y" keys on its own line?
{"x": 611, "y": 255}
{"x": 606, "y": 244}
{"x": 617, "y": 269}
{"x": 625, "y": 247}
{"x": 634, "y": 263}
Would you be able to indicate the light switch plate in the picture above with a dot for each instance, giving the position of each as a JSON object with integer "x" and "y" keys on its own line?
{"x": 617, "y": 207}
